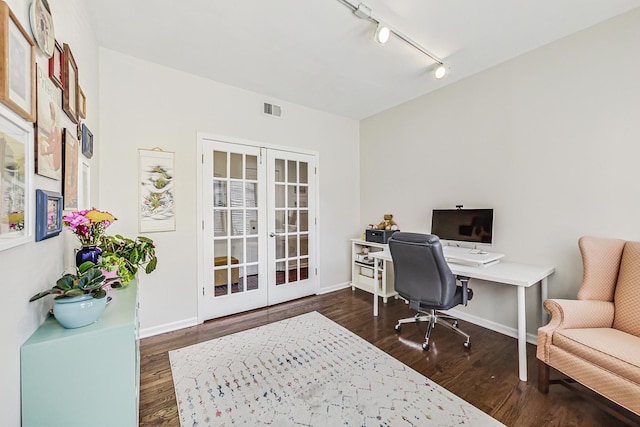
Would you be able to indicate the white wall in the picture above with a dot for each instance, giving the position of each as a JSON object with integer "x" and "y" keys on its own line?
{"x": 546, "y": 139}
{"x": 145, "y": 105}
{"x": 550, "y": 140}
{"x": 32, "y": 267}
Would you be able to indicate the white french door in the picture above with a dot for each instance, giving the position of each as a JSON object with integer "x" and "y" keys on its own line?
{"x": 232, "y": 260}
{"x": 291, "y": 221}
{"x": 258, "y": 239}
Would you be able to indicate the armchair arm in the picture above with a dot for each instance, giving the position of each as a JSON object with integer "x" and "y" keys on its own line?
{"x": 572, "y": 314}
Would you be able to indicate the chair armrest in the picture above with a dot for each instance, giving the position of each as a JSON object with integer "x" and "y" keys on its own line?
{"x": 572, "y": 314}
{"x": 467, "y": 293}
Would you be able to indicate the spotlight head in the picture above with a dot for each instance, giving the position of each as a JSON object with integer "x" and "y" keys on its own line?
{"x": 440, "y": 71}
{"x": 382, "y": 34}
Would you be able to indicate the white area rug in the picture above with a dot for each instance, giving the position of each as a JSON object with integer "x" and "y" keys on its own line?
{"x": 308, "y": 371}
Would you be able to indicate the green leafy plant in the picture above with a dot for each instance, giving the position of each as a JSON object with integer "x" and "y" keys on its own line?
{"x": 86, "y": 279}
{"x": 126, "y": 256}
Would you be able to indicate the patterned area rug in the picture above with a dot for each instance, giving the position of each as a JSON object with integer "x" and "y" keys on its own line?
{"x": 307, "y": 371}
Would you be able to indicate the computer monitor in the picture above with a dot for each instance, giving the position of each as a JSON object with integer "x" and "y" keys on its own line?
{"x": 463, "y": 225}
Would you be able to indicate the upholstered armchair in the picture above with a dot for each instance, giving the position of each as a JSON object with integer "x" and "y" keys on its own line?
{"x": 595, "y": 339}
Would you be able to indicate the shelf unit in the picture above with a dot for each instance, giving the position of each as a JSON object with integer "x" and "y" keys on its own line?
{"x": 96, "y": 366}
{"x": 362, "y": 272}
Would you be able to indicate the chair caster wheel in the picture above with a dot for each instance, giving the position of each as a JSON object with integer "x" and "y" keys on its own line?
{"x": 467, "y": 344}
{"x": 397, "y": 327}
{"x": 425, "y": 346}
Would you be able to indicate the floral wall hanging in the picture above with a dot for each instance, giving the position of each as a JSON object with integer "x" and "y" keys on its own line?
{"x": 156, "y": 190}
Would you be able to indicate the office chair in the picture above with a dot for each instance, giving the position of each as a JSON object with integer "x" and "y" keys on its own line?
{"x": 423, "y": 278}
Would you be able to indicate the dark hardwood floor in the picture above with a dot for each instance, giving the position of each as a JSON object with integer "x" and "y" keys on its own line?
{"x": 485, "y": 376}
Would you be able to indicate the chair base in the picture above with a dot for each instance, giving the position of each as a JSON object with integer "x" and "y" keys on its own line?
{"x": 434, "y": 317}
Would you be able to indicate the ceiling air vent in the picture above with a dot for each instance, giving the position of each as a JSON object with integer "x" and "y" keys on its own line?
{"x": 272, "y": 110}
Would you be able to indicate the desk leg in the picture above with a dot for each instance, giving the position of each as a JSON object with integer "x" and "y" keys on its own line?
{"x": 384, "y": 282}
{"x": 522, "y": 334}
{"x": 544, "y": 294}
{"x": 375, "y": 287}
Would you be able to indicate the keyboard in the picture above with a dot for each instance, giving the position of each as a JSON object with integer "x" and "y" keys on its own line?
{"x": 472, "y": 257}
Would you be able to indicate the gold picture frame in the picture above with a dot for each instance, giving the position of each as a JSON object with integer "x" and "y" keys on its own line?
{"x": 17, "y": 66}
{"x": 82, "y": 104}
{"x": 70, "y": 83}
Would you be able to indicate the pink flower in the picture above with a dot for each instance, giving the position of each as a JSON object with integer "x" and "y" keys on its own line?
{"x": 88, "y": 224}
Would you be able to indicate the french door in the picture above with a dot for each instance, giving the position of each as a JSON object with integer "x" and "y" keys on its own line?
{"x": 291, "y": 219}
{"x": 258, "y": 239}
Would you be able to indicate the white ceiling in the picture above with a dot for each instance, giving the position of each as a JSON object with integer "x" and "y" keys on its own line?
{"x": 318, "y": 54}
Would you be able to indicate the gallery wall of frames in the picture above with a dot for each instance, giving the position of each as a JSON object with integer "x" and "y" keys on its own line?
{"x": 34, "y": 97}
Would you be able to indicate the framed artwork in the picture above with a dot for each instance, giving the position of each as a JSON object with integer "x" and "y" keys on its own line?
{"x": 82, "y": 104}
{"x": 70, "y": 85}
{"x": 48, "y": 214}
{"x": 48, "y": 130}
{"x": 56, "y": 65}
{"x": 84, "y": 189}
{"x": 16, "y": 163}
{"x": 42, "y": 26}
{"x": 87, "y": 142}
{"x": 70, "y": 171}
{"x": 17, "y": 72}
{"x": 156, "y": 190}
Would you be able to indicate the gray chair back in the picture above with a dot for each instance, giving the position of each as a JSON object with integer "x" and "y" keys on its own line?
{"x": 421, "y": 272}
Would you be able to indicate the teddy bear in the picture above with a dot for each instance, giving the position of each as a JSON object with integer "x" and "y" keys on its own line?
{"x": 387, "y": 224}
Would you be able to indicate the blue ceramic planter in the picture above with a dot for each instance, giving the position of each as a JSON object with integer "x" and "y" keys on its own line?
{"x": 76, "y": 312}
{"x": 89, "y": 253}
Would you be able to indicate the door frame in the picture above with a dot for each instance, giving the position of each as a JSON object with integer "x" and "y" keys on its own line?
{"x": 203, "y": 137}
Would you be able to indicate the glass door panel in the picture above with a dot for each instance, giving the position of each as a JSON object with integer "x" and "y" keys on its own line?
{"x": 233, "y": 278}
{"x": 229, "y": 266}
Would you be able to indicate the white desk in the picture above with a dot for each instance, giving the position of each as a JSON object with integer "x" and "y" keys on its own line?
{"x": 510, "y": 273}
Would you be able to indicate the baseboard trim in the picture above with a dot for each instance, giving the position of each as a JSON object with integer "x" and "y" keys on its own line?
{"x": 497, "y": 327}
{"x": 488, "y": 324}
{"x": 168, "y": 327}
{"x": 186, "y": 323}
{"x": 333, "y": 288}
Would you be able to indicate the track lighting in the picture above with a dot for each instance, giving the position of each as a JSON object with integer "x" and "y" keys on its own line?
{"x": 382, "y": 34}
{"x": 440, "y": 71}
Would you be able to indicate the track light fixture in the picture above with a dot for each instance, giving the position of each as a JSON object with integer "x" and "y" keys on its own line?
{"x": 382, "y": 34}
{"x": 440, "y": 71}
{"x": 384, "y": 31}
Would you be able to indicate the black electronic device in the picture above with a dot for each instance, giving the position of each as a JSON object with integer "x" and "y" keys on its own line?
{"x": 463, "y": 225}
{"x": 378, "y": 236}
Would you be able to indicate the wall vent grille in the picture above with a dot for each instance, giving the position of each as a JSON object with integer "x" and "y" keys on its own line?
{"x": 272, "y": 110}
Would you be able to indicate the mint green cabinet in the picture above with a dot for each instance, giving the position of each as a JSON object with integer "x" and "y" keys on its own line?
{"x": 87, "y": 376}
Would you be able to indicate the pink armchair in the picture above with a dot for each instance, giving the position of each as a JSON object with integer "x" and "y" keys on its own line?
{"x": 596, "y": 339}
